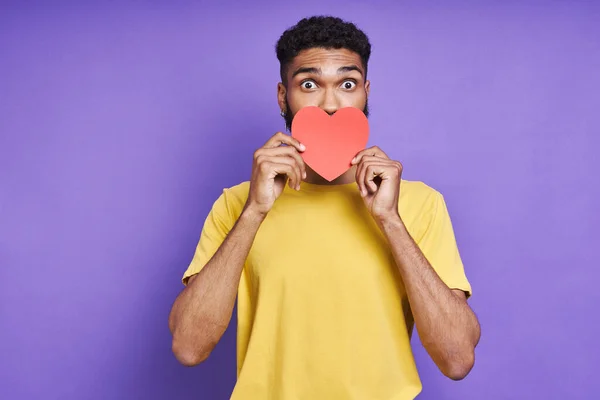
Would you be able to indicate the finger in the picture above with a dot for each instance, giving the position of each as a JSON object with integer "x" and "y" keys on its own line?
{"x": 292, "y": 170}
{"x": 372, "y": 152}
{"x": 369, "y": 175}
{"x": 382, "y": 170}
{"x": 281, "y": 138}
{"x": 372, "y": 171}
{"x": 287, "y": 170}
{"x": 286, "y": 151}
{"x": 267, "y": 168}
{"x": 366, "y": 172}
{"x": 293, "y": 173}
{"x": 370, "y": 159}
{"x": 360, "y": 178}
{"x": 361, "y": 172}
{"x": 297, "y": 177}
{"x": 299, "y": 161}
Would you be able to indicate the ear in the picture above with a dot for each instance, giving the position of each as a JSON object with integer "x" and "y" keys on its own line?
{"x": 367, "y": 87}
{"x": 281, "y": 93}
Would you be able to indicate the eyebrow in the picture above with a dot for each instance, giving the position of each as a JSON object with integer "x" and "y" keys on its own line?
{"x": 349, "y": 68}
{"x": 317, "y": 71}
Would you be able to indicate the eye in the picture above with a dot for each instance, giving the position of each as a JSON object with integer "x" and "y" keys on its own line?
{"x": 348, "y": 85}
{"x": 308, "y": 85}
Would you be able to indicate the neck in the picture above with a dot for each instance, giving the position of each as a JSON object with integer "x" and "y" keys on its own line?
{"x": 315, "y": 179}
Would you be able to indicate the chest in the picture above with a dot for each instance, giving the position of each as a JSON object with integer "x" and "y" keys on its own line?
{"x": 314, "y": 242}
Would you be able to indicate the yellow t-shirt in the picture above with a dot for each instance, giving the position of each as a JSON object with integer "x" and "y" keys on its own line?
{"x": 322, "y": 311}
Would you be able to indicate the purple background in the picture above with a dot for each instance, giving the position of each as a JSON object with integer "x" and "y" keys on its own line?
{"x": 120, "y": 125}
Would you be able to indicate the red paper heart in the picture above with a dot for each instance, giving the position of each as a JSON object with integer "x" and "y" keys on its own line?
{"x": 331, "y": 141}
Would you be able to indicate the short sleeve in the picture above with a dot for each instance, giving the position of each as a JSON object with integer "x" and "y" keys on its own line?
{"x": 216, "y": 227}
{"x": 438, "y": 244}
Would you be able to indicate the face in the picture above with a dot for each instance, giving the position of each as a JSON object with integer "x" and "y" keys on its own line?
{"x": 327, "y": 78}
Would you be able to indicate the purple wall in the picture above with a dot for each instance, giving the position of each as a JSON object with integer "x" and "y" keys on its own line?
{"x": 119, "y": 126}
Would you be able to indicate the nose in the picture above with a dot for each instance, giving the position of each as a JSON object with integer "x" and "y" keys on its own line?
{"x": 330, "y": 103}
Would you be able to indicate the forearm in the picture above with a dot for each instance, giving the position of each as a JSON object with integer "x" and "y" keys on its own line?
{"x": 201, "y": 313}
{"x": 447, "y": 326}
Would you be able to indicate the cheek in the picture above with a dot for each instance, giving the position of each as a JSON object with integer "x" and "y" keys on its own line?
{"x": 356, "y": 99}
{"x": 297, "y": 100}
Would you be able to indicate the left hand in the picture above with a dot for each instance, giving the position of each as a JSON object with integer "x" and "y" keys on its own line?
{"x": 378, "y": 179}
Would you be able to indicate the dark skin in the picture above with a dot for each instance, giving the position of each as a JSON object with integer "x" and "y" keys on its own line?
{"x": 329, "y": 79}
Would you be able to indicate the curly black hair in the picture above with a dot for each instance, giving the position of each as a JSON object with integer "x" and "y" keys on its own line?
{"x": 323, "y": 32}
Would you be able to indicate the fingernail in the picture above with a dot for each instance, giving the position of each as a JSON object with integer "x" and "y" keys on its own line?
{"x": 304, "y": 175}
{"x": 354, "y": 159}
{"x": 302, "y": 147}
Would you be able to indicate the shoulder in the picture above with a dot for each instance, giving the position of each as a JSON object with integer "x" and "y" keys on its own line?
{"x": 232, "y": 199}
{"x": 418, "y": 204}
{"x": 419, "y": 192}
{"x": 239, "y": 191}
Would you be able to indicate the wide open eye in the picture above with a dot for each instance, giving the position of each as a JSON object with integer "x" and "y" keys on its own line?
{"x": 348, "y": 85}
{"x": 308, "y": 84}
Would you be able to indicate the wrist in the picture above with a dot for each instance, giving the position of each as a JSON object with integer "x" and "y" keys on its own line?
{"x": 390, "y": 223}
{"x": 253, "y": 214}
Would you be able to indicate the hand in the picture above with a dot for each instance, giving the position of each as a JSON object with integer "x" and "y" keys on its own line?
{"x": 378, "y": 179}
{"x": 273, "y": 165}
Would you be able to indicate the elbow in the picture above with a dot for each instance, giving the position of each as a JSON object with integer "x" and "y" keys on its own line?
{"x": 188, "y": 355}
{"x": 459, "y": 367}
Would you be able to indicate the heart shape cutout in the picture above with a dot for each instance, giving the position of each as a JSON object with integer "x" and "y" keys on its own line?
{"x": 331, "y": 141}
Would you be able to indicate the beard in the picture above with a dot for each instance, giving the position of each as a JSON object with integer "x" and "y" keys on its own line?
{"x": 288, "y": 117}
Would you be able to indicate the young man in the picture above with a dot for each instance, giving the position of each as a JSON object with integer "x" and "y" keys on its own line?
{"x": 330, "y": 276}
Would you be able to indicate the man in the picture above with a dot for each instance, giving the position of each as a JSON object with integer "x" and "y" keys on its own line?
{"x": 330, "y": 276}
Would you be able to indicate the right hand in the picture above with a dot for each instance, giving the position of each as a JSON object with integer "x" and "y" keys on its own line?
{"x": 273, "y": 166}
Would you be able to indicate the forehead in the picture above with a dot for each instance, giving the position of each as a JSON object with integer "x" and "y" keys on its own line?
{"x": 325, "y": 59}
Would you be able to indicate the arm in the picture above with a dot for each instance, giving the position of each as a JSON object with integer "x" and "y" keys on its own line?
{"x": 447, "y": 326}
{"x": 202, "y": 311}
